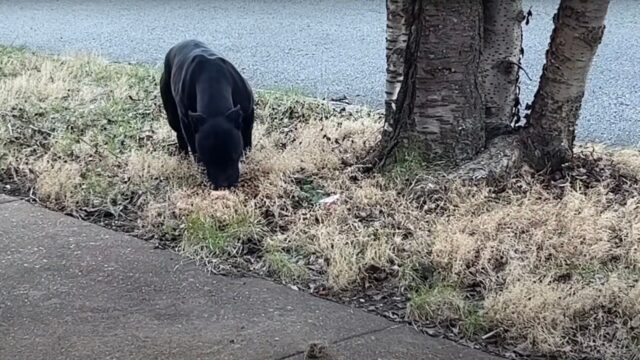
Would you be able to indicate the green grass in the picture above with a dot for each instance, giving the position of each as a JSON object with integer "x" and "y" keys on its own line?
{"x": 285, "y": 267}
{"x": 310, "y": 192}
{"x": 220, "y": 235}
{"x": 407, "y": 166}
{"x": 446, "y": 304}
{"x": 219, "y": 242}
{"x": 439, "y": 302}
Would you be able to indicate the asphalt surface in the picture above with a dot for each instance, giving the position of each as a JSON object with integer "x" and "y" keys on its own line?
{"x": 325, "y": 48}
{"x": 73, "y": 290}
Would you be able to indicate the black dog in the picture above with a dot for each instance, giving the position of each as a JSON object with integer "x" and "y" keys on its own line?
{"x": 210, "y": 106}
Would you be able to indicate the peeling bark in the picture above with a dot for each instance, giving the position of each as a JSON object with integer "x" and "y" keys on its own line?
{"x": 499, "y": 161}
{"x": 440, "y": 111}
{"x": 500, "y": 63}
{"x": 397, "y": 36}
{"x": 578, "y": 30}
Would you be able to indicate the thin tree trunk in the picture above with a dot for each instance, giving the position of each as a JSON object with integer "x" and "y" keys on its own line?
{"x": 500, "y": 63}
{"x": 397, "y": 36}
{"x": 579, "y": 27}
{"x": 440, "y": 111}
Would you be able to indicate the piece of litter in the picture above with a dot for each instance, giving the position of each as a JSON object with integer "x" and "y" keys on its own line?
{"x": 330, "y": 199}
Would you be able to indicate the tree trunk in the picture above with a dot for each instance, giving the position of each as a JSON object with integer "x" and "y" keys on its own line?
{"x": 397, "y": 36}
{"x": 500, "y": 63}
{"x": 579, "y": 27}
{"x": 440, "y": 111}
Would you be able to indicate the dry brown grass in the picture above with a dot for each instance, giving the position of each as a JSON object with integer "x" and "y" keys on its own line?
{"x": 549, "y": 267}
{"x": 553, "y": 271}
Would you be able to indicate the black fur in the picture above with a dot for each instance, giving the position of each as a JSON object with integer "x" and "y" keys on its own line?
{"x": 210, "y": 106}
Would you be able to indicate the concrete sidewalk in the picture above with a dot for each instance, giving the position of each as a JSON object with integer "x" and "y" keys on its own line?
{"x": 73, "y": 290}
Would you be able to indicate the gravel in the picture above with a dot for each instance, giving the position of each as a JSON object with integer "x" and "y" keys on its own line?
{"x": 325, "y": 48}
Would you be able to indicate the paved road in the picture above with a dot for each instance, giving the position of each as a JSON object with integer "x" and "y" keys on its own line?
{"x": 322, "y": 47}
{"x": 74, "y": 290}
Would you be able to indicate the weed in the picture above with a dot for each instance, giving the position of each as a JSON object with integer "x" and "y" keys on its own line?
{"x": 201, "y": 232}
{"x": 285, "y": 267}
{"x": 474, "y": 323}
{"x": 439, "y": 303}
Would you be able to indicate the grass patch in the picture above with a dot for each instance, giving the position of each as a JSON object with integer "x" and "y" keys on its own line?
{"x": 553, "y": 266}
{"x": 438, "y": 303}
{"x": 448, "y": 306}
{"x": 407, "y": 166}
{"x": 208, "y": 234}
{"x": 285, "y": 267}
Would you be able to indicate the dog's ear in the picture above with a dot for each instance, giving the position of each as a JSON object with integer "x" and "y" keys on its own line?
{"x": 196, "y": 120}
{"x": 235, "y": 116}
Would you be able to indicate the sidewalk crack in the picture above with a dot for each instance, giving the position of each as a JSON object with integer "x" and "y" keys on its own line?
{"x": 2, "y": 202}
{"x": 347, "y": 338}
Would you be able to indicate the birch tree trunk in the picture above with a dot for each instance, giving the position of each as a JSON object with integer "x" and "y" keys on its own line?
{"x": 440, "y": 110}
{"x": 500, "y": 63}
{"x": 578, "y": 30}
{"x": 397, "y": 36}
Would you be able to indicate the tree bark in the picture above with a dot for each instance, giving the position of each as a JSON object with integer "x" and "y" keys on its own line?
{"x": 440, "y": 111}
{"x": 500, "y": 63}
{"x": 397, "y": 36}
{"x": 578, "y": 30}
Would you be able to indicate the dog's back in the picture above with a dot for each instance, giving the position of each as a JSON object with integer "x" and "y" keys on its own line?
{"x": 181, "y": 54}
{"x": 191, "y": 61}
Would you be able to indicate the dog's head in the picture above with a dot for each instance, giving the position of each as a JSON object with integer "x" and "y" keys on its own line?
{"x": 219, "y": 146}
